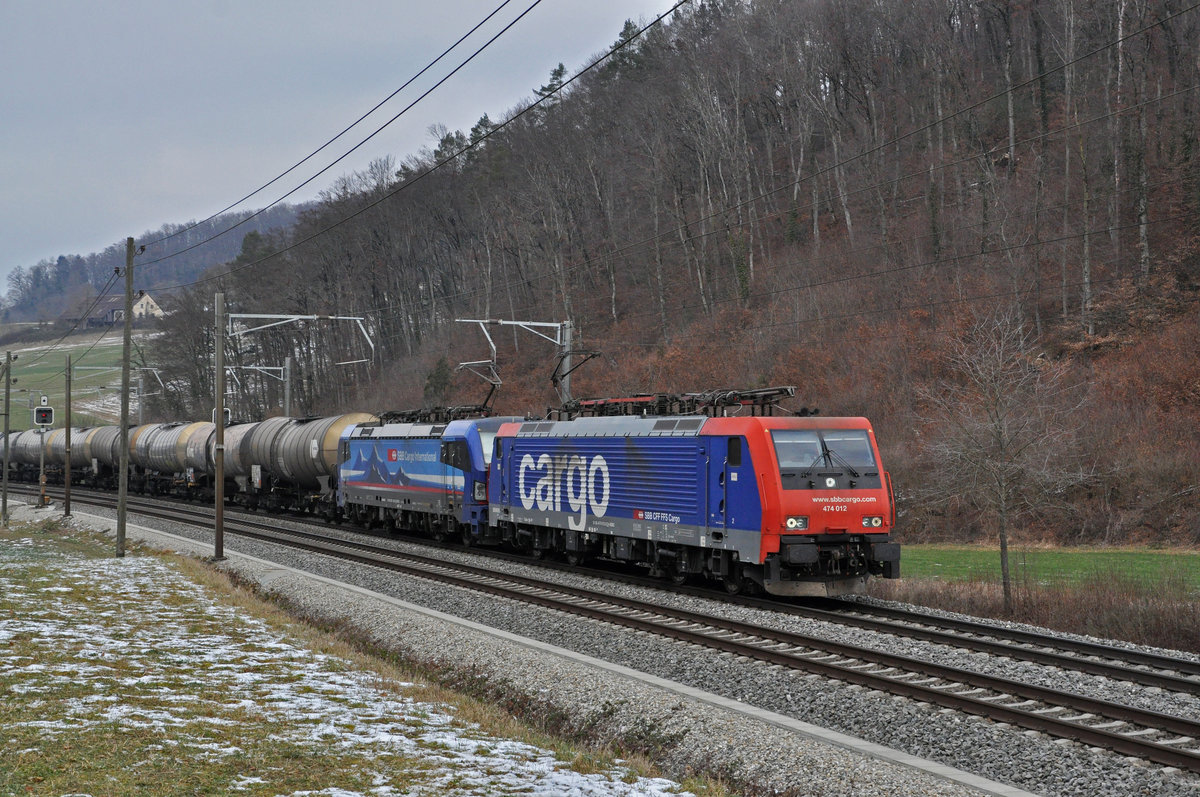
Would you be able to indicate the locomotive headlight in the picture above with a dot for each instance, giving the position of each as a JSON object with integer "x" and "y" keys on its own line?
{"x": 872, "y": 522}
{"x": 797, "y": 523}
{"x": 480, "y": 491}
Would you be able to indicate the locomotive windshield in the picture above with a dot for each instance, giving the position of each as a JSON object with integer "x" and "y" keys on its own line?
{"x": 810, "y": 458}
{"x": 487, "y": 438}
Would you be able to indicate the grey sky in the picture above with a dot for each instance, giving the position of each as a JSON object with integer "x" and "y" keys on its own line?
{"x": 117, "y": 117}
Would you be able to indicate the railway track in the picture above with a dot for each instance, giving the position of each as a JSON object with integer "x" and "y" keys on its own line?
{"x": 1148, "y": 669}
{"x": 1092, "y": 658}
{"x": 1118, "y": 663}
{"x": 1130, "y": 731}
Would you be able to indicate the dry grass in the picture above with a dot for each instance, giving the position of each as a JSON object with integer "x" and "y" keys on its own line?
{"x": 420, "y": 684}
{"x": 115, "y": 758}
{"x": 1108, "y": 604}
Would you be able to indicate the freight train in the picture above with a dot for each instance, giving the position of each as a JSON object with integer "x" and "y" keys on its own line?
{"x": 796, "y": 505}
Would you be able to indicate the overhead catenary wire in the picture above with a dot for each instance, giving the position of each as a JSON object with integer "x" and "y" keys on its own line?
{"x": 674, "y": 231}
{"x": 355, "y": 148}
{"x": 343, "y": 132}
{"x": 448, "y": 159}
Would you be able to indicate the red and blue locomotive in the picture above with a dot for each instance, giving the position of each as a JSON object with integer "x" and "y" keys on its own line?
{"x": 796, "y": 505}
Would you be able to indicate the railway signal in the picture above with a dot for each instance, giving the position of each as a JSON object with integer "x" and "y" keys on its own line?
{"x": 43, "y": 416}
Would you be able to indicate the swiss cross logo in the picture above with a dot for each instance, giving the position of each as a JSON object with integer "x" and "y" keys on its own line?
{"x": 638, "y": 514}
{"x": 393, "y": 455}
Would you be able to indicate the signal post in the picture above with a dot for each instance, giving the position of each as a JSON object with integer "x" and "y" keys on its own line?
{"x": 43, "y": 417}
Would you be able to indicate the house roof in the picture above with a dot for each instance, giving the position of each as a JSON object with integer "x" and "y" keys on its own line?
{"x": 98, "y": 307}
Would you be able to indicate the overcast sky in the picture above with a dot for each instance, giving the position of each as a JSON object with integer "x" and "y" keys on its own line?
{"x": 117, "y": 117}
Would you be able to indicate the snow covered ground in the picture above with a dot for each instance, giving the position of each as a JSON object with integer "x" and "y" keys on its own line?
{"x": 130, "y": 644}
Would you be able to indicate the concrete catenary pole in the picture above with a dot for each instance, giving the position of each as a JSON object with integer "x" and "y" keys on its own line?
{"x": 126, "y": 345}
{"x": 219, "y": 420}
{"x": 8, "y": 359}
{"x": 67, "y": 447}
{"x": 287, "y": 387}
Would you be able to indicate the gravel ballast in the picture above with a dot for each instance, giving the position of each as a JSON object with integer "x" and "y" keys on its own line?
{"x": 686, "y": 732}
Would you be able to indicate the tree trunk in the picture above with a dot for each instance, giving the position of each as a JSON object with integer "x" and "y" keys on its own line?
{"x": 1005, "y": 574}
{"x": 1069, "y": 114}
{"x": 1085, "y": 276}
{"x": 1143, "y": 199}
{"x": 839, "y": 178}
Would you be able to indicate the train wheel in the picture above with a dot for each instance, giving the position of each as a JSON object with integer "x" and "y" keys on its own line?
{"x": 574, "y": 558}
{"x": 679, "y": 576}
{"x": 734, "y": 583}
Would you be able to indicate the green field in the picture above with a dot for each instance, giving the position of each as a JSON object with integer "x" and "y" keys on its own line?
{"x": 1051, "y": 566}
{"x": 40, "y": 370}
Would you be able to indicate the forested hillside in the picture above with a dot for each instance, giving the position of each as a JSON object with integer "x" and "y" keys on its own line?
{"x": 973, "y": 222}
{"x": 45, "y": 290}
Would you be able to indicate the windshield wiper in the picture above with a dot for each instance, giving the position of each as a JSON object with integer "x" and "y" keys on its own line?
{"x": 817, "y": 460}
{"x": 836, "y": 458}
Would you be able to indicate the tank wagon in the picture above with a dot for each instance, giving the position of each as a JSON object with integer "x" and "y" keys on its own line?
{"x": 56, "y": 446}
{"x": 159, "y": 454}
{"x": 290, "y": 463}
{"x": 101, "y": 449}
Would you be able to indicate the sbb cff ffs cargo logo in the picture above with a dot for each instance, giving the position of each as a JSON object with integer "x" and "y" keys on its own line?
{"x": 393, "y": 455}
{"x": 584, "y": 484}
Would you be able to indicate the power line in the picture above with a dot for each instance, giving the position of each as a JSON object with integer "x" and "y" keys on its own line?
{"x": 353, "y": 149}
{"x": 101, "y": 295}
{"x": 624, "y": 249}
{"x": 790, "y": 185}
{"x": 345, "y": 130}
{"x": 417, "y": 178}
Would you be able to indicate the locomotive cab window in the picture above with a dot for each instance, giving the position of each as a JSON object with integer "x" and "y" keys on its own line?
{"x": 852, "y": 447}
{"x": 486, "y": 440}
{"x": 455, "y": 454}
{"x": 810, "y": 459}
{"x": 733, "y": 455}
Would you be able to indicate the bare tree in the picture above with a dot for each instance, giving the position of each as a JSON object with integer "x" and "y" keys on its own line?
{"x": 1003, "y": 429}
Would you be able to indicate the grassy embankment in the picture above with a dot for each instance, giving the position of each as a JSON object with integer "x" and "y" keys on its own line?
{"x": 127, "y": 676}
{"x": 96, "y": 362}
{"x": 1144, "y": 596}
